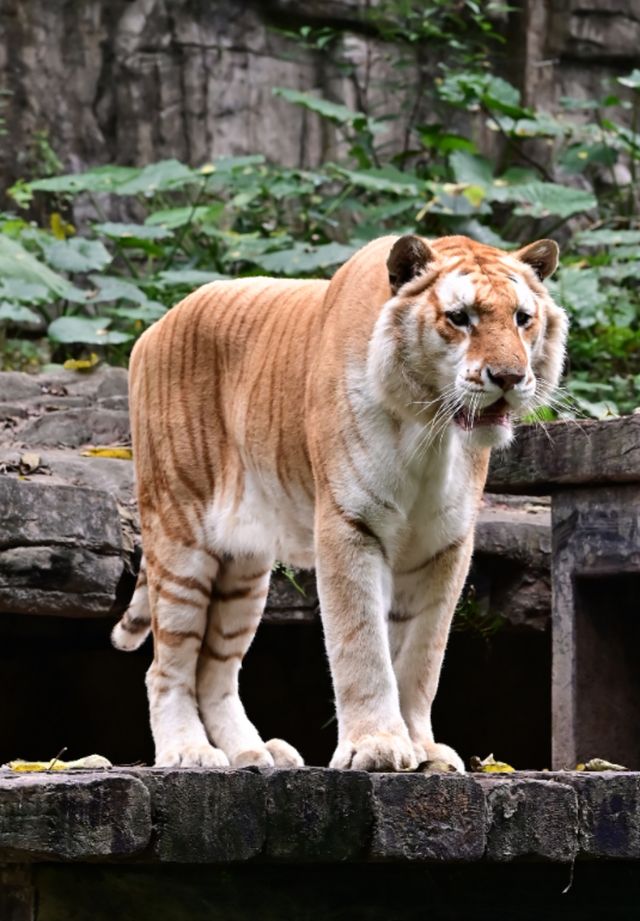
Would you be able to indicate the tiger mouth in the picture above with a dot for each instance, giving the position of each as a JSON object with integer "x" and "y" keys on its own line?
{"x": 498, "y": 413}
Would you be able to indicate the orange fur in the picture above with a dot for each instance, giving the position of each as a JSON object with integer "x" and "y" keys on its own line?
{"x": 343, "y": 424}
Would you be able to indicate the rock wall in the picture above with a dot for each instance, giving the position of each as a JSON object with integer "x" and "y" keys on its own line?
{"x": 131, "y": 81}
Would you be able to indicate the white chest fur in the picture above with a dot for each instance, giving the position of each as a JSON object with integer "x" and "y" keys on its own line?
{"x": 439, "y": 498}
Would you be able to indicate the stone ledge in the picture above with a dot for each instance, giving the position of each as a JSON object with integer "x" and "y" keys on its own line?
{"x": 316, "y": 815}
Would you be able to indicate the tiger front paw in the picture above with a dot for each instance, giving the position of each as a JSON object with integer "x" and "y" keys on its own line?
{"x": 437, "y": 758}
{"x": 193, "y": 755}
{"x": 376, "y": 751}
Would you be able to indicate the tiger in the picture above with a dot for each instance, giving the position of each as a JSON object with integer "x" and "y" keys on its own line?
{"x": 343, "y": 425}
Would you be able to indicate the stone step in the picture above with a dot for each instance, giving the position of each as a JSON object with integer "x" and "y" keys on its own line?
{"x": 201, "y": 816}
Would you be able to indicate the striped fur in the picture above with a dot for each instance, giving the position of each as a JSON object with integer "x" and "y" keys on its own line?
{"x": 343, "y": 425}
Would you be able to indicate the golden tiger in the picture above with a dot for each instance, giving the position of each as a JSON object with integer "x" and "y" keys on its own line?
{"x": 344, "y": 425}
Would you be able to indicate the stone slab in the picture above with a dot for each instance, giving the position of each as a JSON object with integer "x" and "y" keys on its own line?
{"x": 203, "y": 816}
{"x": 72, "y": 817}
{"x": 227, "y": 816}
{"x": 317, "y": 814}
{"x": 427, "y": 817}
{"x": 544, "y": 458}
{"x": 530, "y": 818}
{"x": 63, "y": 550}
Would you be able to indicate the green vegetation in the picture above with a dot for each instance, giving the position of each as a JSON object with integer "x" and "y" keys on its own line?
{"x": 98, "y": 285}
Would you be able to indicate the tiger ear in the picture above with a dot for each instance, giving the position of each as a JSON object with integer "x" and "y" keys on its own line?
{"x": 542, "y": 256}
{"x": 408, "y": 257}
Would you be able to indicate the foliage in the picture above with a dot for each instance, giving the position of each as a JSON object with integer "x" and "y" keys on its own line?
{"x": 100, "y": 284}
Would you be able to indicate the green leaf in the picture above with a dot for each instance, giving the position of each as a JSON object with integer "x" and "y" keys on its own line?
{"x": 388, "y": 179}
{"x": 474, "y": 90}
{"x": 100, "y": 179}
{"x": 541, "y": 125}
{"x": 171, "y": 218}
{"x": 470, "y": 168}
{"x": 147, "y": 313}
{"x": 543, "y": 199}
{"x": 578, "y": 289}
{"x": 111, "y": 288}
{"x": 159, "y": 177}
{"x": 303, "y": 258}
{"x": 16, "y": 262}
{"x": 89, "y": 330}
{"x": 333, "y": 111}
{"x": 188, "y": 278}
{"x": 577, "y": 157}
{"x": 77, "y": 255}
{"x": 16, "y": 313}
{"x": 606, "y": 237}
{"x": 437, "y": 138}
{"x": 14, "y": 289}
{"x": 483, "y": 234}
{"x": 116, "y": 231}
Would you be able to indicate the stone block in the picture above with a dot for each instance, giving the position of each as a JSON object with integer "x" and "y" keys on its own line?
{"x": 207, "y": 816}
{"x": 609, "y": 813}
{"x": 72, "y": 816}
{"x": 427, "y": 817}
{"x": 530, "y": 818}
{"x": 316, "y": 814}
{"x": 61, "y": 549}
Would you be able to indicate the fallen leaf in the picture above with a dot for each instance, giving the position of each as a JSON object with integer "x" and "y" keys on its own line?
{"x": 29, "y": 462}
{"x": 599, "y": 764}
{"x": 490, "y": 766}
{"x": 81, "y": 364}
{"x": 119, "y": 451}
{"x": 89, "y": 763}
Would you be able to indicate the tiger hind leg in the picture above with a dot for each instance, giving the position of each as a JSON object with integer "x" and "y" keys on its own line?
{"x": 237, "y": 603}
{"x": 180, "y": 580}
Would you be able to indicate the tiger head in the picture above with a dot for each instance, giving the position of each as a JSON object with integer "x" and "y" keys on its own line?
{"x": 470, "y": 336}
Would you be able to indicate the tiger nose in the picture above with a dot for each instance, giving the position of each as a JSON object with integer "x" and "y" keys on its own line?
{"x": 506, "y": 378}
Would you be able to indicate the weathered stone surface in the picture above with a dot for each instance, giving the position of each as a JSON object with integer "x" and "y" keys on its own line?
{"x": 511, "y": 564}
{"x": 72, "y": 817}
{"x": 34, "y": 514}
{"x": 562, "y": 454}
{"x": 206, "y": 73}
{"x": 61, "y": 549}
{"x": 609, "y": 814}
{"x": 230, "y": 816}
{"x": 203, "y": 816}
{"x": 76, "y": 427}
{"x": 427, "y": 817}
{"x": 530, "y": 818}
{"x": 315, "y": 814}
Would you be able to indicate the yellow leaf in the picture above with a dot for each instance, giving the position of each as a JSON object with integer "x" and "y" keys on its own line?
{"x": 81, "y": 364}
{"x": 599, "y": 764}
{"x": 490, "y": 766}
{"x": 207, "y": 169}
{"x": 474, "y": 194}
{"x": 59, "y": 227}
{"x": 118, "y": 451}
{"x": 89, "y": 763}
